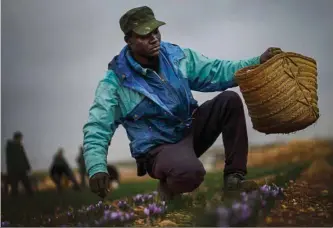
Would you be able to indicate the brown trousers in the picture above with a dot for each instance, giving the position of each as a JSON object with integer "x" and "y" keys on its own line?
{"x": 177, "y": 165}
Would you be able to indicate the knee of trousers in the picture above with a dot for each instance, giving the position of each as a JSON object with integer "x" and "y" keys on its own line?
{"x": 186, "y": 179}
{"x": 231, "y": 96}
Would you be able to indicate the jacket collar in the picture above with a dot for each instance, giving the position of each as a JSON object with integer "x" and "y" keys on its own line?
{"x": 122, "y": 63}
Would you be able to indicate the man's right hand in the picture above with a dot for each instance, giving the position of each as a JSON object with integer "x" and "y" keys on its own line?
{"x": 99, "y": 184}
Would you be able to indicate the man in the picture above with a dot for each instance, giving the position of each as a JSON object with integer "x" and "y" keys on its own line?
{"x": 147, "y": 89}
{"x": 82, "y": 167}
{"x": 59, "y": 168}
{"x": 18, "y": 165}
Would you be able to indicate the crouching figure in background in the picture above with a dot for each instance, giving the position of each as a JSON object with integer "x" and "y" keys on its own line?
{"x": 60, "y": 168}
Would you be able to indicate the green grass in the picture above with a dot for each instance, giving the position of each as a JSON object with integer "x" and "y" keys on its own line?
{"x": 22, "y": 209}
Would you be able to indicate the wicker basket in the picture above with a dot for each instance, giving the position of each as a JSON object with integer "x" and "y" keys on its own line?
{"x": 281, "y": 94}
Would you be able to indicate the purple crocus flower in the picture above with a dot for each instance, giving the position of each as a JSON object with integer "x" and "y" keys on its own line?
{"x": 99, "y": 204}
{"x": 138, "y": 197}
{"x": 236, "y": 206}
{"x": 275, "y": 192}
{"x": 222, "y": 212}
{"x": 127, "y": 216}
{"x": 157, "y": 210}
{"x": 122, "y": 204}
{"x": 222, "y": 216}
{"x": 245, "y": 211}
{"x": 107, "y": 214}
{"x": 149, "y": 197}
{"x": 114, "y": 215}
{"x": 244, "y": 196}
{"x": 265, "y": 189}
{"x": 154, "y": 209}
{"x": 131, "y": 215}
{"x": 5, "y": 223}
{"x": 151, "y": 206}
{"x": 146, "y": 211}
{"x": 90, "y": 208}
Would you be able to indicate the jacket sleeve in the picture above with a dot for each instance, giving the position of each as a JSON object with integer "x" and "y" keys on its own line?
{"x": 209, "y": 74}
{"x": 101, "y": 125}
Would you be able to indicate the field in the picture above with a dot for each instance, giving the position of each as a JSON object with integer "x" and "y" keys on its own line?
{"x": 302, "y": 169}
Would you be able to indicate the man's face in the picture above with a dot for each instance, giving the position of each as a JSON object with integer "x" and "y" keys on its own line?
{"x": 146, "y": 46}
{"x": 19, "y": 139}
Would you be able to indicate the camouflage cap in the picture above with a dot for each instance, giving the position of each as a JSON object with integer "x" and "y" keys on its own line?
{"x": 140, "y": 20}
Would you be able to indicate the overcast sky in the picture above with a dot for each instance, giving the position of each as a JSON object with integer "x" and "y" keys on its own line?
{"x": 53, "y": 53}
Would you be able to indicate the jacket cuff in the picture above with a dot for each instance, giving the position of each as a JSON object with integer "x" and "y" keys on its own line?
{"x": 256, "y": 60}
{"x": 98, "y": 168}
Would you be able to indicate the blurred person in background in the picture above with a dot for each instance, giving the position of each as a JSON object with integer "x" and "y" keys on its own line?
{"x": 82, "y": 167}
{"x": 147, "y": 89}
{"x": 18, "y": 166}
{"x": 59, "y": 169}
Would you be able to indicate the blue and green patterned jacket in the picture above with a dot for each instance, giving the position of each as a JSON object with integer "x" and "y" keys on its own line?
{"x": 153, "y": 108}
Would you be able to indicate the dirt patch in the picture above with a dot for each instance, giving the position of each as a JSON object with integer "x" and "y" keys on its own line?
{"x": 308, "y": 201}
{"x": 294, "y": 151}
{"x": 318, "y": 167}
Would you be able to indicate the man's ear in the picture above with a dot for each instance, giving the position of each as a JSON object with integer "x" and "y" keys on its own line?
{"x": 127, "y": 39}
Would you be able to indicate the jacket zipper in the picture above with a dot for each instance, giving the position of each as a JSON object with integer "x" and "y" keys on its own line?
{"x": 174, "y": 71}
{"x": 170, "y": 89}
{"x": 189, "y": 100}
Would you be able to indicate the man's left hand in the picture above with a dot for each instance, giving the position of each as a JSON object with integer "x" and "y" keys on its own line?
{"x": 269, "y": 53}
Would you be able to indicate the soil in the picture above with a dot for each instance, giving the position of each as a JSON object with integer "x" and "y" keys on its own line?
{"x": 308, "y": 201}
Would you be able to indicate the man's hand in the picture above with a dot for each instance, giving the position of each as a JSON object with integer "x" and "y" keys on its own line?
{"x": 99, "y": 184}
{"x": 269, "y": 53}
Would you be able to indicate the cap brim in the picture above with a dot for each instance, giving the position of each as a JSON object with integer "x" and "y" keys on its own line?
{"x": 148, "y": 27}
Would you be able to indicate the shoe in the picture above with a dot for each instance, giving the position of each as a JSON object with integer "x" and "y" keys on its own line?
{"x": 237, "y": 182}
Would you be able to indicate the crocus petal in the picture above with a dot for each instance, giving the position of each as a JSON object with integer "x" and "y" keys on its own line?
{"x": 146, "y": 211}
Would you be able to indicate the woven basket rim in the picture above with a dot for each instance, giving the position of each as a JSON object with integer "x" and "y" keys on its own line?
{"x": 259, "y": 67}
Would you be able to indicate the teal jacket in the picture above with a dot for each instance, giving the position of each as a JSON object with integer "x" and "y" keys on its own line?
{"x": 153, "y": 108}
